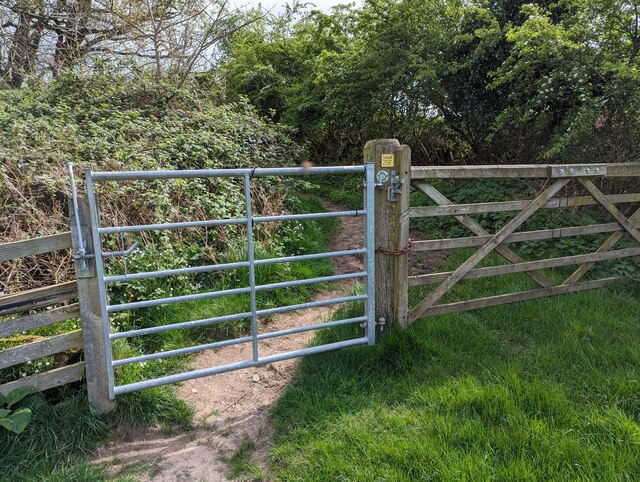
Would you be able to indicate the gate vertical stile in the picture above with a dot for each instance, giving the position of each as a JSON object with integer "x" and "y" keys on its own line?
{"x": 369, "y": 237}
{"x": 252, "y": 267}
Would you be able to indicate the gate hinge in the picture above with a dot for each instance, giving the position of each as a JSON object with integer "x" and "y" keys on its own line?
{"x": 380, "y": 323}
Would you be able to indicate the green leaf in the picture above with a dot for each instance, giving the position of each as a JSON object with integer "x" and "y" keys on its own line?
{"x": 8, "y": 424}
{"x": 17, "y": 395}
{"x": 4, "y": 412}
{"x": 21, "y": 419}
{"x": 3, "y": 399}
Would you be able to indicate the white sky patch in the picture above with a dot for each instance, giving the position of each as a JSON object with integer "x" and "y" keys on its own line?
{"x": 277, "y": 5}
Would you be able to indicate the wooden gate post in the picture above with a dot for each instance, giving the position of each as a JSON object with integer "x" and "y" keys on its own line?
{"x": 90, "y": 313}
{"x": 392, "y": 227}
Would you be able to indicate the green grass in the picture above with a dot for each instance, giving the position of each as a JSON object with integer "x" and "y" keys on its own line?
{"x": 340, "y": 189}
{"x": 55, "y": 442}
{"x": 240, "y": 464}
{"x": 540, "y": 390}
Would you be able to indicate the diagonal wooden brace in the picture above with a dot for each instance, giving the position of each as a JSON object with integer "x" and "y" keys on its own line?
{"x": 484, "y": 251}
{"x": 627, "y": 224}
{"x": 478, "y": 230}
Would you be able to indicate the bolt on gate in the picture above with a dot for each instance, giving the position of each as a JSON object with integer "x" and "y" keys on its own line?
{"x": 368, "y": 319}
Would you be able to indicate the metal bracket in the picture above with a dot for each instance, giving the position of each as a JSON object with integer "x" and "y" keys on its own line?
{"x": 578, "y": 170}
{"x": 125, "y": 252}
{"x": 82, "y": 250}
{"x": 381, "y": 178}
{"x": 394, "y": 189}
{"x": 109, "y": 254}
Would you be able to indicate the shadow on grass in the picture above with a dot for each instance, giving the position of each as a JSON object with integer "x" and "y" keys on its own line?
{"x": 540, "y": 390}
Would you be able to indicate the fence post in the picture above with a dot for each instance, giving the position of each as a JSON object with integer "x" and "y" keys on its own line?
{"x": 392, "y": 227}
{"x": 89, "y": 300}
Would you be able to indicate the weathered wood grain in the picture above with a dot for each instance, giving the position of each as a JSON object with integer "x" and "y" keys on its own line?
{"x": 476, "y": 228}
{"x": 459, "y": 306}
{"x": 31, "y": 247}
{"x": 433, "y": 278}
{"x": 40, "y": 349}
{"x": 38, "y": 320}
{"x": 539, "y": 235}
{"x": 512, "y": 171}
{"x": 390, "y": 231}
{"x": 51, "y": 379}
{"x": 484, "y": 251}
{"x": 507, "y": 206}
{"x": 37, "y": 298}
{"x": 95, "y": 341}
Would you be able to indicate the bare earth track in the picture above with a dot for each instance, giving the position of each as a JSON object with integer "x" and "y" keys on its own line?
{"x": 233, "y": 407}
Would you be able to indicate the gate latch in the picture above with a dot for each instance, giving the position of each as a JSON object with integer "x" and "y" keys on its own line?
{"x": 394, "y": 189}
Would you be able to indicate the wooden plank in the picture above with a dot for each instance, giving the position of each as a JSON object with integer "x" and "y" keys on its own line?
{"x": 38, "y": 298}
{"x": 401, "y": 239}
{"x": 599, "y": 196}
{"x": 41, "y": 348}
{"x": 37, "y": 320}
{"x": 542, "y": 234}
{"x": 476, "y": 228}
{"x": 514, "y": 297}
{"x": 513, "y": 171}
{"x": 484, "y": 251}
{"x": 508, "y": 206}
{"x": 433, "y": 278}
{"x": 31, "y": 247}
{"x": 50, "y": 379}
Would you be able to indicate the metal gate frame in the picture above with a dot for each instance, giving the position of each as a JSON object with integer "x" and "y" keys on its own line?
{"x": 249, "y": 220}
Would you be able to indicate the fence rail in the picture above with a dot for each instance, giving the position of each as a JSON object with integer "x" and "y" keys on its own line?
{"x": 38, "y": 299}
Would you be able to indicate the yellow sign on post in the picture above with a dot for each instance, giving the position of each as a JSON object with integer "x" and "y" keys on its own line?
{"x": 387, "y": 160}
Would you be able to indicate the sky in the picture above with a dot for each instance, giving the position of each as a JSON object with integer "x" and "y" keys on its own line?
{"x": 324, "y": 5}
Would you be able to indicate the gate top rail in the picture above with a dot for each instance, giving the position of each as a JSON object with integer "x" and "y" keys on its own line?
{"x": 526, "y": 171}
{"x": 240, "y": 172}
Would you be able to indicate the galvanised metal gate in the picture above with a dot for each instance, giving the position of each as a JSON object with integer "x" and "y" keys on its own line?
{"x": 98, "y": 231}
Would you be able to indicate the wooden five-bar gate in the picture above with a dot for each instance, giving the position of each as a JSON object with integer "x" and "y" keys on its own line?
{"x": 389, "y": 181}
{"x": 396, "y": 178}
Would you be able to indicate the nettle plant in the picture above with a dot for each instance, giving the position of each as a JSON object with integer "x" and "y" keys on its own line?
{"x": 14, "y": 419}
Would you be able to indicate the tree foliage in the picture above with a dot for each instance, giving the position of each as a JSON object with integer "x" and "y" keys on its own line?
{"x": 487, "y": 80}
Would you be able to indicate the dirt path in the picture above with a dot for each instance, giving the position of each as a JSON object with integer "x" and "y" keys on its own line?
{"x": 231, "y": 408}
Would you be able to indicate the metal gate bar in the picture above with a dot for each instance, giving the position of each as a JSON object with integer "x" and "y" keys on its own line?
{"x": 227, "y": 222}
{"x": 234, "y": 291}
{"x": 249, "y": 220}
{"x": 241, "y": 264}
{"x": 235, "y": 341}
{"x": 181, "y": 377}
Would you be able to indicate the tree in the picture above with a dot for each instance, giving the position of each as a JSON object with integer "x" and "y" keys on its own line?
{"x": 175, "y": 37}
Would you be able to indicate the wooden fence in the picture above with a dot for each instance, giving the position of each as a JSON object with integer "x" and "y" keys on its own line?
{"x": 394, "y": 212}
{"x": 41, "y": 299}
{"x": 41, "y": 307}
